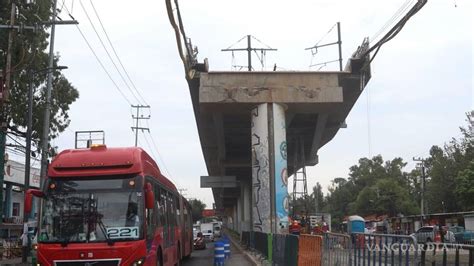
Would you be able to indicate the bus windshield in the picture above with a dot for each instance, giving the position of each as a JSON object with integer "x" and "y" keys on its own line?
{"x": 92, "y": 210}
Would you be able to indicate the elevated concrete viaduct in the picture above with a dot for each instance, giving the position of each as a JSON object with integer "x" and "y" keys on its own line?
{"x": 248, "y": 123}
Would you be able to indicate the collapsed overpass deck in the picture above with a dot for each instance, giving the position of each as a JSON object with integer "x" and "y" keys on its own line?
{"x": 317, "y": 104}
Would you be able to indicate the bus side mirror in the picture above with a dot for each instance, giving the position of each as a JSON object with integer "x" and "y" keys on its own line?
{"x": 149, "y": 196}
{"x": 29, "y": 198}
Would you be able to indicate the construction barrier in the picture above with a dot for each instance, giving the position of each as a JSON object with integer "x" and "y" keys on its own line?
{"x": 337, "y": 249}
{"x": 261, "y": 243}
{"x": 252, "y": 240}
{"x": 310, "y": 250}
{"x": 384, "y": 249}
{"x": 446, "y": 254}
{"x": 291, "y": 250}
{"x": 278, "y": 252}
{"x": 355, "y": 249}
{"x": 245, "y": 239}
{"x": 270, "y": 247}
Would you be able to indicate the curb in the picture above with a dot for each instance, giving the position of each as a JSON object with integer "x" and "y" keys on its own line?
{"x": 248, "y": 256}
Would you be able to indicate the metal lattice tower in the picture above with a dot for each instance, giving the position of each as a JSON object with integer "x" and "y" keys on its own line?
{"x": 300, "y": 174}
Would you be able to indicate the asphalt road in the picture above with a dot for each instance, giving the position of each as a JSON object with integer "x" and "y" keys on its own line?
{"x": 206, "y": 257}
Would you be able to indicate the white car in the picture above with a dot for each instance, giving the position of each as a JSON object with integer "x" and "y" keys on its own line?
{"x": 208, "y": 235}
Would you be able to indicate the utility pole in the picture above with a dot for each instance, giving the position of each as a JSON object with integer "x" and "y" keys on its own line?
{"x": 49, "y": 86}
{"x": 249, "y": 50}
{"x": 422, "y": 164}
{"x": 47, "y": 111}
{"x": 137, "y": 118}
{"x": 314, "y": 49}
{"x": 339, "y": 43}
{"x": 5, "y": 91}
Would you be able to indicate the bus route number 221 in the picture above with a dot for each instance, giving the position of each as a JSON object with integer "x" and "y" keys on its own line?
{"x": 122, "y": 232}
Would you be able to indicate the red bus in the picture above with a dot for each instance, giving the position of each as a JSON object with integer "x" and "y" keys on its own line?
{"x": 110, "y": 206}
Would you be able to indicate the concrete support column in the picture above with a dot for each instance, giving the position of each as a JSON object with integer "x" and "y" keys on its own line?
{"x": 7, "y": 207}
{"x": 269, "y": 169}
{"x": 239, "y": 215}
{"x": 235, "y": 218}
{"x": 246, "y": 213}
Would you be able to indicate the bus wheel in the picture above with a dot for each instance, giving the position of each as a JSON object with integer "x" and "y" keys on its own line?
{"x": 159, "y": 258}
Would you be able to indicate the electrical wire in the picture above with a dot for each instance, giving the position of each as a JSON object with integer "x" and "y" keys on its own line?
{"x": 369, "y": 135}
{"x": 325, "y": 35}
{"x": 255, "y": 38}
{"x": 245, "y": 36}
{"x": 177, "y": 33}
{"x": 98, "y": 60}
{"x": 116, "y": 54}
{"x": 103, "y": 67}
{"x": 158, "y": 152}
{"x": 108, "y": 54}
{"x": 395, "y": 30}
{"x": 395, "y": 16}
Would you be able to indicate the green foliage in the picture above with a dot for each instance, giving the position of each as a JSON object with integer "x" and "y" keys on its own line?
{"x": 29, "y": 53}
{"x": 373, "y": 187}
{"x": 465, "y": 187}
{"x": 378, "y": 187}
{"x": 449, "y": 172}
{"x": 197, "y": 208}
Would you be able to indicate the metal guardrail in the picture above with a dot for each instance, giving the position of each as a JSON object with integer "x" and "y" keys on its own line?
{"x": 356, "y": 249}
{"x": 337, "y": 249}
{"x": 447, "y": 254}
{"x": 10, "y": 248}
{"x": 384, "y": 249}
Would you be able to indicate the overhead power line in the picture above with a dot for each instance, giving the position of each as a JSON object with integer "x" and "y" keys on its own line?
{"x": 116, "y": 54}
{"x": 98, "y": 60}
{"x": 103, "y": 67}
{"x": 108, "y": 54}
{"x": 395, "y": 16}
{"x": 395, "y": 29}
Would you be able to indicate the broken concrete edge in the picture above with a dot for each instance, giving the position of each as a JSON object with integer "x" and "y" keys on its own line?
{"x": 255, "y": 261}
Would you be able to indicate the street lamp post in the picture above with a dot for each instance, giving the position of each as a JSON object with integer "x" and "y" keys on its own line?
{"x": 26, "y": 248}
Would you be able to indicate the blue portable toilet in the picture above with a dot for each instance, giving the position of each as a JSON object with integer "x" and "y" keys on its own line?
{"x": 356, "y": 224}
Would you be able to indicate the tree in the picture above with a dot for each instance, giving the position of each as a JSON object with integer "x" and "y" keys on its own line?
{"x": 465, "y": 187}
{"x": 449, "y": 169}
{"x": 373, "y": 187}
{"x": 29, "y": 54}
{"x": 197, "y": 207}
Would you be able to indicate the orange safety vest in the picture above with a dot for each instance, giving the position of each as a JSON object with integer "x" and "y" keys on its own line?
{"x": 295, "y": 228}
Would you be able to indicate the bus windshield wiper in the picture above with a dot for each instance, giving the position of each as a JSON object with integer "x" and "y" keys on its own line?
{"x": 110, "y": 242}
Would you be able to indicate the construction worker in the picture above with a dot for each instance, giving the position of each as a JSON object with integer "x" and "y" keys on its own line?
{"x": 295, "y": 228}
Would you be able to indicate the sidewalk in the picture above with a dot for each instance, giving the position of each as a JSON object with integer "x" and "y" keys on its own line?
{"x": 235, "y": 243}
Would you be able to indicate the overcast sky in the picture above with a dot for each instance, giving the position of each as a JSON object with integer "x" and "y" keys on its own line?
{"x": 421, "y": 82}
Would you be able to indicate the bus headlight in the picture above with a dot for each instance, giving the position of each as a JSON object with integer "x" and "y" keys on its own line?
{"x": 138, "y": 262}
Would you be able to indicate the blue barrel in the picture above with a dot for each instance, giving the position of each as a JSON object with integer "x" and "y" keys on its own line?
{"x": 219, "y": 254}
{"x": 226, "y": 248}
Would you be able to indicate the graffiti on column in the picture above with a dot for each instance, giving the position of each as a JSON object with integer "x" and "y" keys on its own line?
{"x": 260, "y": 170}
{"x": 281, "y": 171}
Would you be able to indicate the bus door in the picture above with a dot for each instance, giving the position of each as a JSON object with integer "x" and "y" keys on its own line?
{"x": 165, "y": 204}
{"x": 171, "y": 218}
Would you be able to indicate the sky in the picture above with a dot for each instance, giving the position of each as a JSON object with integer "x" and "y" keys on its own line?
{"x": 421, "y": 86}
